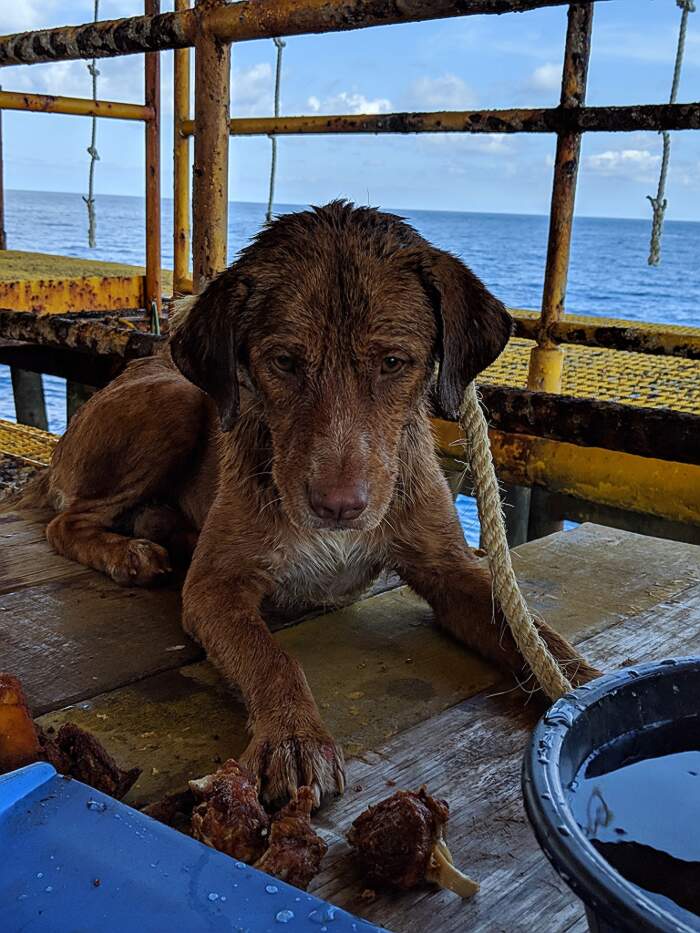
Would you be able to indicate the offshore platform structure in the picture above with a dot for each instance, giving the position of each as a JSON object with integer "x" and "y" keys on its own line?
{"x": 561, "y": 439}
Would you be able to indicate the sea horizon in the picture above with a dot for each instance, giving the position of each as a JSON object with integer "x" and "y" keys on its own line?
{"x": 379, "y": 205}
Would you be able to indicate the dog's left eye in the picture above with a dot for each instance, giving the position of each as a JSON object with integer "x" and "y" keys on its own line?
{"x": 392, "y": 364}
{"x": 284, "y": 362}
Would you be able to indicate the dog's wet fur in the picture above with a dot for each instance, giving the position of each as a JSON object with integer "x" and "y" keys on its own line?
{"x": 283, "y": 437}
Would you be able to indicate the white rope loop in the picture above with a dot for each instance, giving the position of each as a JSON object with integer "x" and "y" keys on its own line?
{"x": 505, "y": 585}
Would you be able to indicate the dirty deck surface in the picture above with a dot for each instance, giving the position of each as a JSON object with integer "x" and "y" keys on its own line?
{"x": 409, "y": 705}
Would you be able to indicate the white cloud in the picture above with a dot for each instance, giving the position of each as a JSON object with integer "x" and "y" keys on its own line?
{"x": 637, "y": 164}
{"x": 545, "y": 78}
{"x": 252, "y": 90}
{"x": 349, "y": 102}
{"x": 447, "y": 92}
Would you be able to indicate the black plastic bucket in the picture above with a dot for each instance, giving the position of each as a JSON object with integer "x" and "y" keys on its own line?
{"x": 588, "y": 719}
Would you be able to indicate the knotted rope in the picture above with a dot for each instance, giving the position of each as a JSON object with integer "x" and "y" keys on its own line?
{"x": 92, "y": 151}
{"x": 273, "y": 139}
{"x": 505, "y": 586}
{"x": 659, "y": 203}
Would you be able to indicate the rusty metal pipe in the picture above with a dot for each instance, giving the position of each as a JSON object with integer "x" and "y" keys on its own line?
{"x": 74, "y": 106}
{"x": 154, "y": 284}
{"x": 210, "y": 172}
{"x": 237, "y": 22}
{"x": 517, "y": 120}
{"x": 181, "y": 162}
{"x": 573, "y": 95}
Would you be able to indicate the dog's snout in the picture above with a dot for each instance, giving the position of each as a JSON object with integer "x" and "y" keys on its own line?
{"x": 339, "y": 503}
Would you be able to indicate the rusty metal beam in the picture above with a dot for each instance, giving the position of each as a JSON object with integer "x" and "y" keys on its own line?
{"x": 103, "y": 39}
{"x": 518, "y": 120}
{"x": 154, "y": 284}
{"x": 238, "y": 22}
{"x": 546, "y": 359}
{"x": 644, "y": 432}
{"x": 210, "y": 172}
{"x": 614, "y": 337}
{"x": 3, "y": 234}
{"x": 619, "y": 480}
{"x": 181, "y": 163}
{"x": 74, "y": 106}
{"x": 573, "y": 96}
{"x": 88, "y": 293}
{"x": 92, "y": 336}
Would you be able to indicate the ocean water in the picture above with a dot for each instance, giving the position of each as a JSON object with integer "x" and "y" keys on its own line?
{"x": 609, "y": 275}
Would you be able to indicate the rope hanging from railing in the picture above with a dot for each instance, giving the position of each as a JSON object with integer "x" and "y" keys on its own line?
{"x": 659, "y": 203}
{"x": 92, "y": 151}
{"x": 550, "y": 676}
{"x": 280, "y": 44}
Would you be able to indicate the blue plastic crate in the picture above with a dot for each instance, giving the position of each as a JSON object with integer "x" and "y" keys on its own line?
{"x": 73, "y": 860}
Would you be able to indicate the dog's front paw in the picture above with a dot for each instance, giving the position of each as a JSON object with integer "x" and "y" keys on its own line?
{"x": 139, "y": 562}
{"x": 284, "y": 760}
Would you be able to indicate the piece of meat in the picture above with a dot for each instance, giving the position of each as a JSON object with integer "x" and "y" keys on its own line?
{"x": 295, "y": 851}
{"x": 174, "y": 810}
{"x": 19, "y": 739}
{"x": 401, "y": 842}
{"x": 90, "y": 763}
{"x": 229, "y": 817}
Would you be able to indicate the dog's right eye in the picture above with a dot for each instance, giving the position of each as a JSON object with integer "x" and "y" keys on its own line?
{"x": 284, "y": 362}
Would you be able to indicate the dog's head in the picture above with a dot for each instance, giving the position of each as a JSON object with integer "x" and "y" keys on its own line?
{"x": 334, "y": 319}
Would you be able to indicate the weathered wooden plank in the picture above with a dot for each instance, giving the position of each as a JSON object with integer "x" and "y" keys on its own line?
{"x": 375, "y": 668}
{"x": 472, "y": 755}
{"x": 73, "y": 637}
{"x": 590, "y": 577}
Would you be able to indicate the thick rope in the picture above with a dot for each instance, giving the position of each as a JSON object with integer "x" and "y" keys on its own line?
{"x": 92, "y": 150}
{"x": 273, "y": 139}
{"x": 659, "y": 203}
{"x": 505, "y": 586}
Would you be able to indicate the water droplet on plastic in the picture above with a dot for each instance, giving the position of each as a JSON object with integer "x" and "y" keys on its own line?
{"x": 40, "y": 874}
{"x": 96, "y": 805}
{"x": 563, "y": 830}
{"x": 271, "y": 888}
{"x": 669, "y": 662}
{"x": 546, "y": 796}
{"x": 284, "y": 916}
{"x": 633, "y": 673}
{"x": 22, "y": 897}
{"x": 676, "y": 689}
{"x": 48, "y": 889}
{"x": 223, "y": 897}
{"x": 323, "y": 915}
{"x": 240, "y": 865}
{"x": 212, "y": 896}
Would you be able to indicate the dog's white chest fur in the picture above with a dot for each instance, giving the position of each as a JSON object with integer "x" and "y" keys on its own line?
{"x": 325, "y": 568}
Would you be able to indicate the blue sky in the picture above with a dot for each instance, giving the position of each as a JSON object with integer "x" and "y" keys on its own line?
{"x": 486, "y": 61}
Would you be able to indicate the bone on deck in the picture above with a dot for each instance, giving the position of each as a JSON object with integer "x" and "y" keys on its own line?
{"x": 409, "y": 705}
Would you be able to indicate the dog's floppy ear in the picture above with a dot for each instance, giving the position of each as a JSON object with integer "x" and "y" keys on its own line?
{"x": 204, "y": 345}
{"x": 473, "y": 325}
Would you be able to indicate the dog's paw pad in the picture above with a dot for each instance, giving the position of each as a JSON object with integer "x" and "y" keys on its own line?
{"x": 141, "y": 563}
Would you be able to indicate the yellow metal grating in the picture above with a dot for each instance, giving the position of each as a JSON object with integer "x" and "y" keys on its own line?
{"x": 610, "y": 375}
{"x": 23, "y": 441}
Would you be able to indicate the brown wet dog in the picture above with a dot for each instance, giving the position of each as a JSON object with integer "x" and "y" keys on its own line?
{"x": 287, "y": 427}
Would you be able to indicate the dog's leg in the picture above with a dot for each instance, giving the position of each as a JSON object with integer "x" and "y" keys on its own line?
{"x": 81, "y": 535}
{"x": 431, "y": 555}
{"x": 290, "y": 745}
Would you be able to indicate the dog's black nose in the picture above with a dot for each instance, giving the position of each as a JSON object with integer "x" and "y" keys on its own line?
{"x": 340, "y": 503}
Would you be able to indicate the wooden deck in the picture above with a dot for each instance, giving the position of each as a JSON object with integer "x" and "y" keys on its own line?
{"x": 408, "y": 704}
